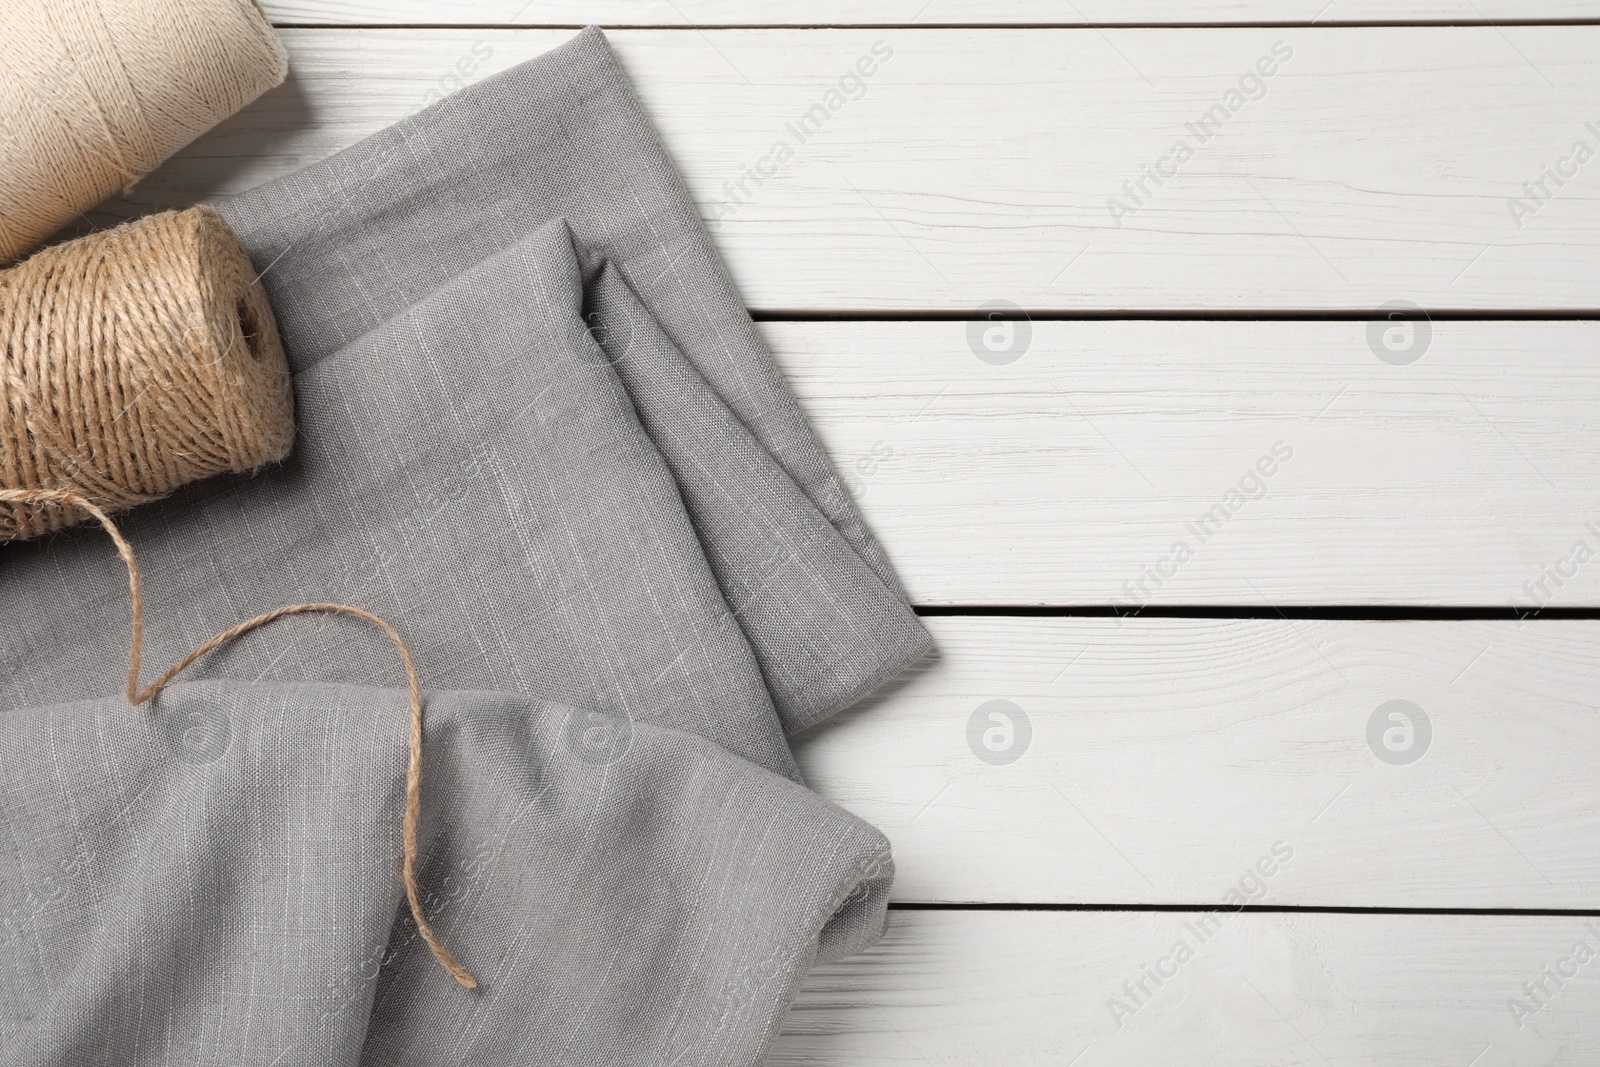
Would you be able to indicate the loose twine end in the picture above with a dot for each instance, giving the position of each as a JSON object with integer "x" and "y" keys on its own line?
{"x": 137, "y": 696}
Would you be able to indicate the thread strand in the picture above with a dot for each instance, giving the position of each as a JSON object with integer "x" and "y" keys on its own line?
{"x": 137, "y": 696}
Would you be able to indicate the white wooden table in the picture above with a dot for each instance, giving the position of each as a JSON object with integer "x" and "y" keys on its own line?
{"x": 1035, "y": 484}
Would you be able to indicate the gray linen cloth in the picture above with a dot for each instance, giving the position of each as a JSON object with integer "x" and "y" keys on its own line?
{"x": 212, "y": 881}
{"x": 541, "y": 436}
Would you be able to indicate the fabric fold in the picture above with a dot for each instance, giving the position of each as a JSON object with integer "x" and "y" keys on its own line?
{"x": 762, "y": 535}
{"x": 625, "y": 893}
{"x": 539, "y": 435}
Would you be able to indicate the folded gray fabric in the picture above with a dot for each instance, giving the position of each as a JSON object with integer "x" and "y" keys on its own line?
{"x": 541, "y": 436}
{"x": 211, "y": 881}
{"x": 645, "y": 522}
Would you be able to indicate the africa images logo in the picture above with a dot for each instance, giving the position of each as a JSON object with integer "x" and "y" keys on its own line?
{"x": 851, "y": 85}
{"x": 1252, "y": 85}
{"x": 998, "y": 732}
{"x": 1399, "y": 732}
{"x": 596, "y": 736}
{"x": 197, "y": 735}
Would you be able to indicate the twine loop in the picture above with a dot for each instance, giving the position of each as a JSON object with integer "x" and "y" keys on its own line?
{"x": 54, "y": 498}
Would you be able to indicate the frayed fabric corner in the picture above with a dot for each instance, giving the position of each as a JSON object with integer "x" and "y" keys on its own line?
{"x": 540, "y": 435}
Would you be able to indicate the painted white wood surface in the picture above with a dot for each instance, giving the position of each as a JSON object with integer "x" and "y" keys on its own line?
{"x": 902, "y": 12}
{"x": 1001, "y": 990}
{"x": 980, "y": 165}
{"x": 1081, "y": 472}
{"x": 1167, "y": 757}
{"x": 1163, "y": 758}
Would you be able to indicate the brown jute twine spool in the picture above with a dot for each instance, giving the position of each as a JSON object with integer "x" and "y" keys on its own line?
{"x": 62, "y": 500}
{"x": 134, "y": 361}
{"x": 94, "y": 94}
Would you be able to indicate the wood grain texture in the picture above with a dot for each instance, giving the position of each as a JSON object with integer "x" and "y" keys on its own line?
{"x": 1168, "y": 758}
{"x": 1375, "y": 164}
{"x": 998, "y": 990}
{"x": 708, "y": 13}
{"x": 1168, "y": 761}
{"x": 1091, "y": 469}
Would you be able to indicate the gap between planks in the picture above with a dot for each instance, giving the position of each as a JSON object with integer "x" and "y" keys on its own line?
{"x": 998, "y": 182}
{"x": 1160, "y": 761}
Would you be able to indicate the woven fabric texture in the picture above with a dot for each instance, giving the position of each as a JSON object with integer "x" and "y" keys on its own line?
{"x": 539, "y": 434}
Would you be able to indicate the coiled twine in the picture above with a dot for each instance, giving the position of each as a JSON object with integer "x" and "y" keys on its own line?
{"x": 134, "y": 361}
{"x": 94, "y": 94}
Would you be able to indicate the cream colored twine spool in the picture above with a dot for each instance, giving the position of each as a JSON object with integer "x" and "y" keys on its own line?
{"x": 134, "y": 361}
{"x": 95, "y": 94}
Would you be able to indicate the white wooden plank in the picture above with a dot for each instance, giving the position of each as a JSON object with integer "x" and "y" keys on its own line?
{"x": 1164, "y": 759}
{"x": 896, "y": 12}
{"x": 999, "y": 990}
{"x": 1082, "y": 472}
{"x": 1377, "y": 164}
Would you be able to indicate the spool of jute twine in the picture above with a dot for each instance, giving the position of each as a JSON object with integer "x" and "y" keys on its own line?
{"x": 64, "y": 500}
{"x": 94, "y": 94}
{"x": 134, "y": 361}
